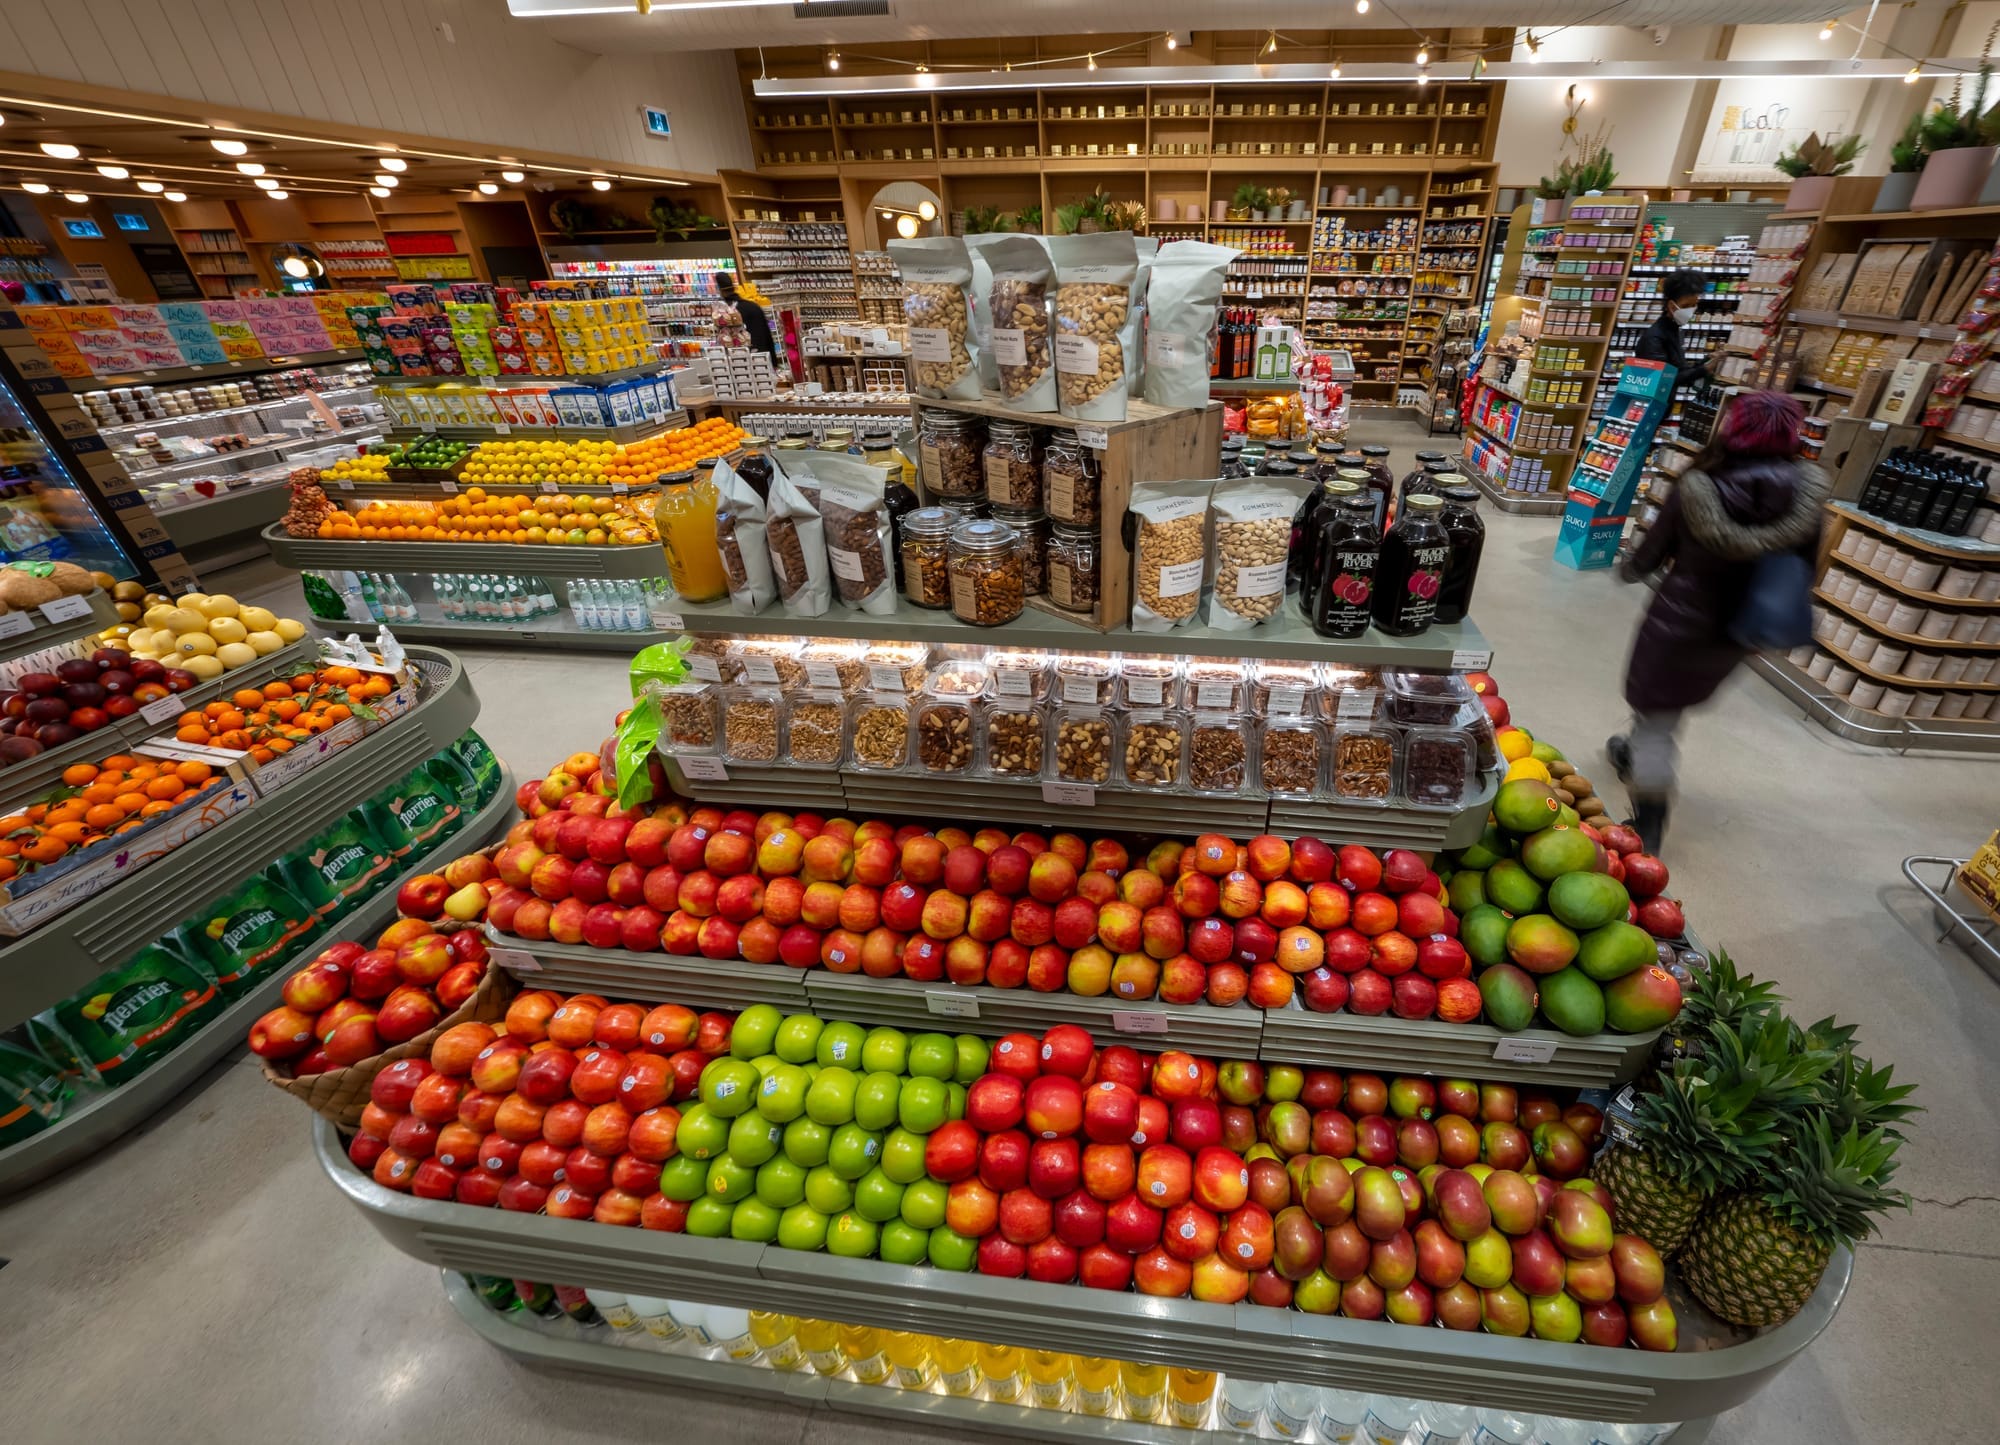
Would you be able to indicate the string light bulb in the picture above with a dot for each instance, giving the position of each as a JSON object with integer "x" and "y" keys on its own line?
{"x": 513, "y": 178}
{"x": 113, "y": 173}
{"x": 35, "y": 188}
{"x": 1334, "y": 74}
{"x": 922, "y": 68}
{"x": 176, "y": 196}
{"x": 232, "y": 147}
{"x": 1271, "y": 44}
{"x": 1424, "y": 52}
{"x": 1173, "y": 42}
{"x": 1360, "y": 7}
{"x": 394, "y": 163}
{"x": 1534, "y": 49}
{"x": 61, "y": 150}
{"x": 1826, "y": 28}
{"x": 152, "y": 188}
{"x": 1916, "y": 74}
{"x": 1423, "y": 77}
{"x": 833, "y": 60}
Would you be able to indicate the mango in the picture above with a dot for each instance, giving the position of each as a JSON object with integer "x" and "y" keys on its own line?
{"x": 1585, "y": 900}
{"x": 1555, "y": 1317}
{"x": 1461, "y": 1206}
{"x": 1490, "y": 849}
{"x": 1557, "y": 850}
{"x": 1579, "y": 1227}
{"x": 1379, "y": 1210}
{"x": 1483, "y": 932}
{"x": 1510, "y": 997}
{"x": 1489, "y": 1260}
{"x": 1467, "y": 890}
{"x": 1515, "y": 1205}
{"x": 1525, "y": 806}
{"x": 1504, "y": 1311}
{"x": 1440, "y": 1258}
{"x": 1643, "y": 999}
{"x": 1612, "y": 950}
{"x": 1511, "y": 887}
{"x": 1540, "y": 944}
{"x": 1574, "y": 1003}
{"x": 1392, "y": 1263}
{"x": 1538, "y": 1264}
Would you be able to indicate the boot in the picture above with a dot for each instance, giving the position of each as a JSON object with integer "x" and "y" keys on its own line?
{"x": 1649, "y": 821}
{"x": 1618, "y": 748}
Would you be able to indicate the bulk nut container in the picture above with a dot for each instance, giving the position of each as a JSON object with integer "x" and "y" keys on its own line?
{"x": 1866, "y": 693}
{"x": 1922, "y": 575}
{"x": 1967, "y": 626}
{"x": 1922, "y": 666}
{"x": 1951, "y": 667}
{"x": 1979, "y": 669}
{"x": 1889, "y": 656}
{"x": 1979, "y": 705}
{"x": 1937, "y": 624}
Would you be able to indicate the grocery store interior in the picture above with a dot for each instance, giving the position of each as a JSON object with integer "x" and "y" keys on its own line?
{"x": 893, "y": 721}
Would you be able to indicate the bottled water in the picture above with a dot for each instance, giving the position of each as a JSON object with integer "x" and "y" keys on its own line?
{"x": 656, "y": 1317}
{"x": 1441, "y": 1424}
{"x": 731, "y": 1328}
{"x": 1498, "y": 1427}
{"x": 1243, "y": 1403}
{"x": 1290, "y": 1410}
{"x": 1339, "y": 1416}
{"x": 637, "y": 617}
{"x": 369, "y": 599}
{"x": 1389, "y": 1419}
{"x": 617, "y": 1312}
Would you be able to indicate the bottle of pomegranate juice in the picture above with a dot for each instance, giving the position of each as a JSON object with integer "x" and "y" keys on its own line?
{"x": 1414, "y": 556}
{"x": 1468, "y": 539}
{"x": 1349, "y": 552}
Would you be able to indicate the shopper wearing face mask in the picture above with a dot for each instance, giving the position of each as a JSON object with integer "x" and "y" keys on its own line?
{"x": 1662, "y": 341}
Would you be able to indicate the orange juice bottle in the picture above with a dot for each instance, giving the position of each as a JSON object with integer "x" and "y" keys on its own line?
{"x": 821, "y": 1341}
{"x": 1049, "y": 1376}
{"x": 1000, "y": 1366}
{"x": 910, "y": 1359}
{"x": 1188, "y": 1395}
{"x": 958, "y": 1365}
{"x": 1096, "y": 1385}
{"x": 685, "y": 517}
{"x": 865, "y": 1353}
{"x": 1145, "y": 1389}
{"x": 778, "y": 1337}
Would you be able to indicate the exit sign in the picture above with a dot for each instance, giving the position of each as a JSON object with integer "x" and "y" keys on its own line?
{"x": 657, "y": 123}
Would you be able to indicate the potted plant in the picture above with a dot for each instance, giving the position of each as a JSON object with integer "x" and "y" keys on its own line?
{"x": 1958, "y": 148}
{"x": 1250, "y": 198}
{"x": 1552, "y": 195}
{"x": 1812, "y": 164}
{"x": 1594, "y": 172}
{"x": 1906, "y": 161}
{"x": 1275, "y": 201}
{"x": 1029, "y": 219}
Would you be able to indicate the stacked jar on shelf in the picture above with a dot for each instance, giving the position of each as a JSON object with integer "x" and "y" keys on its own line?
{"x": 1144, "y": 722}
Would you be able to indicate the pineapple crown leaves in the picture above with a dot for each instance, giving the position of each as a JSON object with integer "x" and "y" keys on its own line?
{"x": 1859, "y": 1095}
{"x": 1719, "y": 996}
{"x": 1830, "y": 1185}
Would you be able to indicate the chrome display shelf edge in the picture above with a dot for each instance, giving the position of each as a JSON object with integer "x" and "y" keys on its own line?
{"x": 513, "y": 558}
{"x": 1873, "y": 729}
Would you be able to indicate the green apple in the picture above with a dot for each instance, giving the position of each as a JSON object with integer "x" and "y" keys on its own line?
{"x": 840, "y": 1044}
{"x": 949, "y": 1250}
{"x": 851, "y": 1236}
{"x": 1283, "y": 1083}
{"x": 903, "y": 1156}
{"x": 729, "y": 1180}
{"x": 827, "y": 1192}
{"x": 923, "y": 1104}
{"x": 806, "y": 1141}
{"x": 923, "y": 1203}
{"x": 709, "y": 1218}
{"x": 700, "y": 1133}
{"x": 753, "y": 1031}
{"x": 903, "y": 1244}
{"x": 972, "y": 1052}
{"x": 684, "y": 1178}
{"x": 729, "y": 1087}
{"x": 782, "y": 1095}
{"x": 753, "y": 1140}
{"x": 955, "y": 1095}
{"x": 755, "y": 1221}
{"x": 886, "y": 1051}
{"x": 798, "y": 1038}
{"x": 764, "y": 1063}
{"x": 802, "y": 1227}
{"x": 877, "y": 1197}
{"x": 853, "y": 1151}
{"x": 830, "y": 1100}
{"x": 875, "y": 1100}
{"x": 781, "y": 1183}
{"x": 933, "y": 1056}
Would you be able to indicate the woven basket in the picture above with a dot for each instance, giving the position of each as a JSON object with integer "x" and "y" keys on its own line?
{"x": 339, "y": 1095}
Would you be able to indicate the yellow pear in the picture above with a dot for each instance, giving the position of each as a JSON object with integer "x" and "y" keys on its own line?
{"x": 288, "y": 629}
{"x": 256, "y": 619}
{"x": 195, "y": 644}
{"x": 157, "y": 615}
{"x": 217, "y": 606}
{"x": 203, "y": 667}
{"x": 264, "y": 643}
{"x": 235, "y": 654}
{"x": 183, "y": 620}
{"x": 227, "y": 629}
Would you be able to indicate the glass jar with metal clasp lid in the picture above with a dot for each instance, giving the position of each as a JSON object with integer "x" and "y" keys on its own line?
{"x": 986, "y": 579}
{"x": 949, "y": 449}
{"x": 926, "y": 556}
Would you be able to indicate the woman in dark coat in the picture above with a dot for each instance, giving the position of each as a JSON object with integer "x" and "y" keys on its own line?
{"x": 1746, "y": 495}
{"x": 755, "y": 320}
{"x": 1662, "y": 341}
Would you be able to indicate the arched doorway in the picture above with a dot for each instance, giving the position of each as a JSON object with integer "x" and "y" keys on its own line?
{"x": 899, "y": 210}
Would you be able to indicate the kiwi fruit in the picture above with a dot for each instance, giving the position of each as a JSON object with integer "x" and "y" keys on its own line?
{"x": 1590, "y": 807}
{"x": 1579, "y": 785}
{"x": 1559, "y": 769}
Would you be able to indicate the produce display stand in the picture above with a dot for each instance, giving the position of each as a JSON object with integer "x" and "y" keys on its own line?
{"x": 513, "y": 558}
{"x": 87, "y": 1129}
{"x": 1716, "y": 1369}
{"x": 624, "y": 435}
{"x": 212, "y": 371}
{"x": 53, "y": 961}
{"x": 41, "y": 632}
{"x": 1975, "y": 929}
{"x": 247, "y": 509}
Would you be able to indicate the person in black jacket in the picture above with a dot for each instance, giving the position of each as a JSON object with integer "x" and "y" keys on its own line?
{"x": 755, "y": 321}
{"x": 1747, "y": 495}
{"x": 1662, "y": 340}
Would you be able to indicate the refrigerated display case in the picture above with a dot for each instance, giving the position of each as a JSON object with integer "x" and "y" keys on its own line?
{"x": 44, "y": 514}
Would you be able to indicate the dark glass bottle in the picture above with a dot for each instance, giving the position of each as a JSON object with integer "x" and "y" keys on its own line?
{"x": 1350, "y": 555}
{"x": 754, "y": 467}
{"x": 1415, "y": 553}
{"x": 1314, "y": 512}
{"x": 897, "y": 498}
{"x": 1462, "y": 524}
{"x": 1326, "y": 461}
{"x": 1232, "y": 457}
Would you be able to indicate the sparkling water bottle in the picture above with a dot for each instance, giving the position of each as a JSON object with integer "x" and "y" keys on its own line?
{"x": 1290, "y": 1410}
{"x": 636, "y": 614}
{"x": 370, "y": 599}
{"x": 1442, "y": 1424}
{"x": 1243, "y": 1404}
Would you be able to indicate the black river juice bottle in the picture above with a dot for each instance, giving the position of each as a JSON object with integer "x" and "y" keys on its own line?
{"x": 1348, "y": 554}
{"x": 1414, "y": 556}
{"x": 1468, "y": 538}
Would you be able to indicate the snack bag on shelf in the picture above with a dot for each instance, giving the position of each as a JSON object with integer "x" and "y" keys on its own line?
{"x": 797, "y": 542}
{"x": 939, "y": 307}
{"x": 976, "y": 247}
{"x": 1251, "y": 542}
{"x": 1098, "y": 315}
{"x": 740, "y": 537}
{"x": 126, "y": 1018}
{"x": 1181, "y": 300}
{"x": 1166, "y": 523}
{"x": 34, "y": 1089}
{"x": 1148, "y": 248}
{"x": 1022, "y": 275}
{"x": 855, "y": 520}
{"x": 338, "y": 868}
{"x": 248, "y": 930}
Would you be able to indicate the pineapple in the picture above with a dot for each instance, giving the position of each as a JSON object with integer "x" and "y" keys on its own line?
{"x": 1708, "y": 1128}
{"x": 1755, "y": 1257}
{"x": 1717, "y": 997}
{"x": 1859, "y": 1095}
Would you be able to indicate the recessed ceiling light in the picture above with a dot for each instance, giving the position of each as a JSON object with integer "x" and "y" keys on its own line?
{"x": 487, "y": 188}
{"x": 177, "y": 195}
{"x": 385, "y": 180}
{"x": 378, "y": 190}
{"x": 78, "y": 196}
{"x": 265, "y": 183}
{"x": 61, "y": 150}
{"x": 600, "y": 184}
{"x": 278, "y": 195}
{"x": 152, "y": 188}
{"x": 906, "y": 226}
{"x": 34, "y": 188}
{"x": 513, "y": 178}
{"x": 232, "y": 147}
{"x": 393, "y": 163}
{"x": 115, "y": 173}
{"x": 250, "y": 168}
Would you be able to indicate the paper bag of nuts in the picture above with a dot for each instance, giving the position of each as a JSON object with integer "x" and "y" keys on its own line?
{"x": 1182, "y": 295}
{"x": 797, "y": 543}
{"x": 982, "y": 314}
{"x": 1022, "y": 276}
{"x": 857, "y": 531}
{"x": 739, "y": 537}
{"x": 939, "y": 307}
{"x": 1252, "y": 539}
{"x": 1098, "y": 311}
{"x": 1164, "y": 528}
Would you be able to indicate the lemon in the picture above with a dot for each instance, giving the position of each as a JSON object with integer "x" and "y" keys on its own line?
{"x": 1515, "y": 745}
{"x": 1526, "y": 768}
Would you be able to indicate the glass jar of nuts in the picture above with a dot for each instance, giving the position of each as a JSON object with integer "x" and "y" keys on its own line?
{"x": 1074, "y": 580}
{"x": 927, "y": 557}
{"x": 1034, "y": 530}
{"x": 986, "y": 581}
{"x": 949, "y": 445}
{"x": 1071, "y": 486}
{"x": 1013, "y": 464}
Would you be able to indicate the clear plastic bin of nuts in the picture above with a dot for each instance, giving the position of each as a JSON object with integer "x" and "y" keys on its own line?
{"x": 1364, "y": 764}
{"x": 1087, "y": 677}
{"x": 832, "y": 666}
{"x": 1289, "y": 754}
{"x": 1020, "y": 672}
{"x": 772, "y": 662}
{"x": 1284, "y": 689}
{"x": 1149, "y": 679}
{"x": 1015, "y": 732}
{"x": 947, "y": 735}
{"x": 815, "y": 729}
{"x": 1218, "y": 753}
{"x": 1349, "y": 694}
{"x": 752, "y": 722}
{"x": 957, "y": 675}
{"x": 1217, "y": 684}
{"x": 896, "y": 666}
{"x": 708, "y": 660}
{"x": 690, "y": 718}
{"x": 1437, "y": 767}
{"x": 1151, "y": 747}
{"x": 1083, "y": 743}
{"x": 879, "y": 732}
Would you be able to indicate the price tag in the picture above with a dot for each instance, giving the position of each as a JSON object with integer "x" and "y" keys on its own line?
{"x": 1467, "y": 659}
{"x": 760, "y": 670}
{"x": 502, "y": 428}
{"x": 450, "y": 487}
{"x": 1285, "y": 701}
{"x": 15, "y": 623}
{"x": 1070, "y": 795}
{"x": 1214, "y": 694}
{"x": 700, "y": 665}
{"x": 1356, "y": 706}
{"x": 1524, "y": 1051}
{"x": 1139, "y": 1021}
{"x": 949, "y": 1003}
{"x": 619, "y": 489}
{"x": 672, "y": 622}
{"x": 160, "y": 710}
{"x": 66, "y": 609}
{"x": 703, "y": 769}
{"x": 822, "y": 675}
{"x": 514, "y": 960}
{"x": 1093, "y": 436}
{"x": 883, "y": 678}
{"x": 345, "y": 485}
{"x": 428, "y": 428}
{"x": 551, "y": 488}
{"x": 1009, "y": 683}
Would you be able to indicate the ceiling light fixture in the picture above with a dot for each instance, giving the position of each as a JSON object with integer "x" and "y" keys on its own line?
{"x": 513, "y": 178}
{"x": 487, "y": 188}
{"x": 232, "y": 147}
{"x": 1334, "y": 74}
{"x": 393, "y": 163}
{"x": 1534, "y": 49}
{"x": 250, "y": 168}
{"x": 152, "y": 188}
{"x": 378, "y": 191}
{"x": 1423, "y": 77}
{"x": 1360, "y": 7}
{"x": 384, "y": 179}
{"x": 113, "y": 173}
{"x": 1826, "y": 28}
{"x": 177, "y": 195}
{"x": 1173, "y": 42}
{"x": 1424, "y": 52}
{"x": 61, "y": 150}
{"x": 77, "y": 196}
{"x": 265, "y": 183}
{"x": 278, "y": 195}
{"x": 1093, "y": 62}
{"x": 927, "y": 210}
{"x": 906, "y": 226}
{"x": 1916, "y": 74}
{"x": 888, "y": 215}
{"x": 833, "y": 60}
{"x": 295, "y": 266}
{"x": 34, "y": 188}
{"x": 600, "y": 184}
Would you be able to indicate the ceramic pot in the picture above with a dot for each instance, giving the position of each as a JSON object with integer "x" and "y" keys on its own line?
{"x": 1897, "y": 189}
{"x": 1809, "y": 193}
{"x": 1952, "y": 178}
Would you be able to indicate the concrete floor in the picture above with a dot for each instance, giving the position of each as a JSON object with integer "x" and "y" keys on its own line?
{"x": 200, "y": 1280}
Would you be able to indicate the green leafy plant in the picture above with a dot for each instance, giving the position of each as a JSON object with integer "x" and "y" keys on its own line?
{"x": 1251, "y": 196}
{"x": 570, "y": 217}
{"x": 1070, "y": 218}
{"x": 1029, "y": 219}
{"x": 981, "y": 219}
{"x": 1596, "y": 171}
{"x": 1813, "y": 157}
{"x": 1954, "y": 124}
{"x": 1561, "y": 184}
{"x": 672, "y": 218}
{"x": 1907, "y": 153}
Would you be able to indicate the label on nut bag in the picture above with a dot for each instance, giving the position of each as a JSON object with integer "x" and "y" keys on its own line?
{"x": 1177, "y": 579}
{"x": 1259, "y": 581}
{"x": 1010, "y": 346}
{"x": 1257, "y": 509}
{"x": 846, "y": 565}
{"x": 1168, "y": 348}
{"x": 1145, "y": 691}
{"x": 1076, "y": 355}
{"x": 1117, "y": 273}
{"x": 930, "y": 343}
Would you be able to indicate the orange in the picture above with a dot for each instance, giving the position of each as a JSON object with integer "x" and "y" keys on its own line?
{"x": 122, "y": 761}
{"x": 45, "y": 850}
{"x": 278, "y": 745}
{"x": 165, "y": 788}
{"x": 130, "y": 803}
{"x": 104, "y": 815}
{"x": 193, "y": 772}
{"x": 192, "y": 734}
{"x": 76, "y": 775}
{"x": 13, "y": 823}
{"x": 100, "y": 791}
{"x": 275, "y": 690}
{"x": 230, "y": 721}
{"x": 156, "y": 807}
{"x": 249, "y": 697}
{"x": 71, "y": 832}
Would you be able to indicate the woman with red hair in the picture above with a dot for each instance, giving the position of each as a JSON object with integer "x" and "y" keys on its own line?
{"x": 1746, "y": 497}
